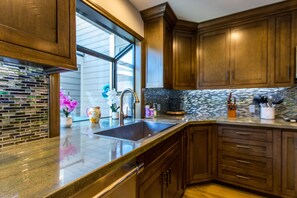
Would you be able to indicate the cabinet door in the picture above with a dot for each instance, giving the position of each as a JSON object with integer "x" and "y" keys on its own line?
{"x": 167, "y": 56}
{"x": 153, "y": 31}
{"x": 284, "y": 50}
{"x": 289, "y": 163}
{"x": 200, "y": 154}
{"x": 249, "y": 54}
{"x": 214, "y": 59}
{"x": 184, "y": 76}
{"x": 174, "y": 187}
{"x": 35, "y": 27}
{"x": 154, "y": 187}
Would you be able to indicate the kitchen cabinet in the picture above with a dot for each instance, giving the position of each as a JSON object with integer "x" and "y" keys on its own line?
{"x": 200, "y": 154}
{"x": 235, "y": 56}
{"x": 285, "y": 44}
{"x": 184, "y": 55}
{"x": 162, "y": 176}
{"x": 158, "y": 33}
{"x": 117, "y": 183}
{"x": 249, "y": 157}
{"x": 214, "y": 53}
{"x": 249, "y": 54}
{"x": 39, "y": 31}
{"x": 289, "y": 163}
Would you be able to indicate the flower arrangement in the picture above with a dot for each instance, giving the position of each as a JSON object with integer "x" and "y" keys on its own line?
{"x": 112, "y": 100}
{"x": 67, "y": 104}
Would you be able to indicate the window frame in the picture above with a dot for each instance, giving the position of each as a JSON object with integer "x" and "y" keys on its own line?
{"x": 84, "y": 7}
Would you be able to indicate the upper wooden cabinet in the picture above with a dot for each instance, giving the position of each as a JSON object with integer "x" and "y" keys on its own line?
{"x": 235, "y": 56}
{"x": 214, "y": 61}
{"x": 39, "y": 31}
{"x": 158, "y": 38}
{"x": 184, "y": 55}
{"x": 285, "y": 43}
{"x": 249, "y": 54}
{"x": 255, "y": 48}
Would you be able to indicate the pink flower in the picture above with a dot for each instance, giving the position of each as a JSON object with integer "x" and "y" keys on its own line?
{"x": 67, "y": 104}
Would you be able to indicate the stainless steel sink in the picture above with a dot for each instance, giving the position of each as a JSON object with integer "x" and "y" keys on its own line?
{"x": 136, "y": 131}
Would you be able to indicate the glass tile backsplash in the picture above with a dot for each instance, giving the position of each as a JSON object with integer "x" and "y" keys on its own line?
{"x": 24, "y": 92}
{"x": 208, "y": 103}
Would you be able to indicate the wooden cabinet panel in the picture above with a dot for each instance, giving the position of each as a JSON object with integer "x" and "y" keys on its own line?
{"x": 154, "y": 186}
{"x": 168, "y": 54}
{"x": 254, "y": 163}
{"x": 249, "y": 54}
{"x": 184, "y": 76}
{"x": 174, "y": 177}
{"x": 246, "y": 133}
{"x": 284, "y": 50}
{"x": 158, "y": 33}
{"x": 289, "y": 163}
{"x": 162, "y": 175}
{"x": 154, "y": 55}
{"x": 214, "y": 48}
{"x": 39, "y": 31}
{"x": 257, "y": 148}
{"x": 245, "y": 177}
{"x": 200, "y": 154}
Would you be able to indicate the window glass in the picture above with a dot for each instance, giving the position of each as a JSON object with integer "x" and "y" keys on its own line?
{"x": 125, "y": 71}
{"x": 103, "y": 59}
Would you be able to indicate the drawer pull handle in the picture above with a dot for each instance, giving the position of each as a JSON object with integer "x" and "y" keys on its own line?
{"x": 242, "y": 177}
{"x": 242, "y": 146}
{"x": 242, "y": 161}
{"x": 242, "y": 133}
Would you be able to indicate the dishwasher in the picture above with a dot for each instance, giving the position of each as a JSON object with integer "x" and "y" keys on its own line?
{"x": 117, "y": 183}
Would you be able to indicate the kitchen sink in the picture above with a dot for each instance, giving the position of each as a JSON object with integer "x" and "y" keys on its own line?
{"x": 137, "y": 131}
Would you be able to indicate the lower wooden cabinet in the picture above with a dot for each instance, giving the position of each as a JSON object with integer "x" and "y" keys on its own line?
{"x": 199, "y": 154}
{"x": 289, "y": 163}
{"x": 162, "y": 175}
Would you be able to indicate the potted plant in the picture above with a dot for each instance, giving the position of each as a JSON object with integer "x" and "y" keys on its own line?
{"x": 67, "y": 105}
{"x": 112, "y": 102}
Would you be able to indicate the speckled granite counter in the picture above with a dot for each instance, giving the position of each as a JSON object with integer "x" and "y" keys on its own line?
{"x": 58, "y": 167}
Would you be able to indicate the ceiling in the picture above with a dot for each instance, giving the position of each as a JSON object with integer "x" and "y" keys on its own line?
{"x": 203, "y": 10}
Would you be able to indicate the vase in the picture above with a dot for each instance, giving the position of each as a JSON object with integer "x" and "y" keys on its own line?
{"x": 66, "y": 122}
{"x": 94, "y": 114}
{"x": 115, "y": 115}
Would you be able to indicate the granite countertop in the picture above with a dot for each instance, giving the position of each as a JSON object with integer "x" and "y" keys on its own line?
{"x": 57, "y": 167}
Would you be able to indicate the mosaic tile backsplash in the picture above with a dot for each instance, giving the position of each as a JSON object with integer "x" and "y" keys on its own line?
{"x": 24, "y": 94}
{"x": 214, "y": 102}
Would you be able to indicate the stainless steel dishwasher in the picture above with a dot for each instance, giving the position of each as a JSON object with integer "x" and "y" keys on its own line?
{"x": 118, "y": 183}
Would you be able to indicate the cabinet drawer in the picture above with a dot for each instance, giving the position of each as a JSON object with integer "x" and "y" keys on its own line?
{"x": 245, "y": 177}
{"x": 250, "y": 147}
{"x": 254, "y": 163}
{"x": 246, "y": 133}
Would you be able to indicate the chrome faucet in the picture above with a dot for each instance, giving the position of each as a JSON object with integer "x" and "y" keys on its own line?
{"x": 121, "y": 118}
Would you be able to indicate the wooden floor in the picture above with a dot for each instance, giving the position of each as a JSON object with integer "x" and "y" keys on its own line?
{"x": 216, "y": 191}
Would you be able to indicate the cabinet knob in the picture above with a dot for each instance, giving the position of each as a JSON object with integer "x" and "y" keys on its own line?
{"x": 243, "y": 161}
{"x": 242, "y": 133}
{"x": 242, "y": 177}
{"x": 242, "y": 146}
{"x": 165, "y": 179}
{"x": 169, "y": 175}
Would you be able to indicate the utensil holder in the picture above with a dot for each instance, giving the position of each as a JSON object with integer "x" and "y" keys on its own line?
{"x": 231, "y": 111}
{"x": 267, "y": 113}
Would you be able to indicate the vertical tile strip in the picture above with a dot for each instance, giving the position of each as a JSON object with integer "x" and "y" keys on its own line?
{"x": 24, "y": 92}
